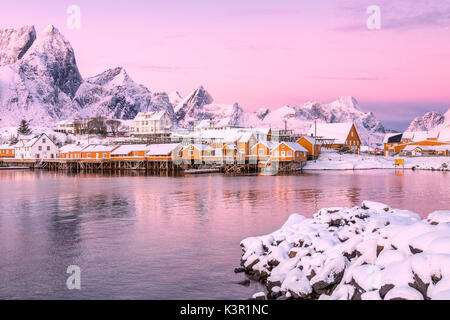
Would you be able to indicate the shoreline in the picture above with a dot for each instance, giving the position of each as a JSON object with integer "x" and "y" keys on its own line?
{"x": 370, "y": 252}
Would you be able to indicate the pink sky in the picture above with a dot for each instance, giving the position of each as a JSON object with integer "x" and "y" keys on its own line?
{"x": 265, "y": 53}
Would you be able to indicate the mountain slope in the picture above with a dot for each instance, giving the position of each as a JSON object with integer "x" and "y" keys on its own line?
{"x": 113, "y": 94}
{"x": 14, "y": 42}
{"x": 39, "y": 87}
{"x": 430, "y": 121}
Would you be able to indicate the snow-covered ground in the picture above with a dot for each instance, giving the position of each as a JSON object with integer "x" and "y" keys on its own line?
{"x": 331, "y": 160}
{"x": 371, "y": 252}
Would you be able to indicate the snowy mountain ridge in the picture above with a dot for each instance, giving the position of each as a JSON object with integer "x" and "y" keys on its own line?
{"x": 430, "y": 121}
{"x": 40, "y": 82}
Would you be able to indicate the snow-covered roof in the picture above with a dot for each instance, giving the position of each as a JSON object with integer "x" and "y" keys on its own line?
{"x": 387, "y": 136}
{"x": 71, "y": 148}
{"x": 413, "y": 147}
{"x": 127, "y": 148}
{"x": 155, "y": 115}
{"x": 231, "y": 146}
{"x": 162, "y": 149}
{"x": 6, "y": 147}
{"x": 444, "y": 135}
{"x": 268, "y": 144}
{"x": 424, "y": 135}
{"x": 292, "y": 145}
{"x": 337, "y": 131}
{"x": 245, "y": 137}
{"x": 98, "y": 148}
{"x": 310, "y": 139}
{"x": 202, "y": 147}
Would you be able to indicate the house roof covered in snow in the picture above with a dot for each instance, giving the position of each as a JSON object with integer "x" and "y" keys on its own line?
{"x": 71, "y": 148}
{"x": 6, "y": 147}
{"x": 336, "y": 131}
{"x": 202, "y": 147}
{"x": 162, "y": 149}
{"x": 444, "y": 135}
{"x": 268, "y": 144}
{"x": 310, "y": 139}
{"x": 292, "y": 145}
{"x": 154, "y": 115}
{"x": 99, "y": 148}
{"x": 127, "y": 148}
{"x": 392, "y": 137}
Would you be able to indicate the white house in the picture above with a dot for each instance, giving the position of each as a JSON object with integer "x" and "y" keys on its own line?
{"x": 148, "y": 123}
{"x": 39, "y": 147}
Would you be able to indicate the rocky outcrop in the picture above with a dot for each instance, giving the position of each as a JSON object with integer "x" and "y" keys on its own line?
{"x": 353, "y": 253}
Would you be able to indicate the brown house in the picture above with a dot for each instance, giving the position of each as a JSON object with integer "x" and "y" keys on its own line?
{"x": 337, "y": 135}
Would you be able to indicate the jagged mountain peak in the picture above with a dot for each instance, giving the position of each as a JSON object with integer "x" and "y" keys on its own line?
{"x": 429, "y": 121}
{"x": 115, "y": 76}
{"x": 14, "y": 43}
{"x": 193, "y": 104}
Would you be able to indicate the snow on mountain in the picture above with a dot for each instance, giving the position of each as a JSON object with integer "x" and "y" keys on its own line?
{"x": 113, "y": 94}
{"x": 430, "y": 121}
{"x": 39, "y": 87}
{"x": 300, "y": 118}
{"x": 199, "y": 106}
{"x": 14, "y": 43}
{"x": 40, "y": 82}
{"x": 175, "y": 98}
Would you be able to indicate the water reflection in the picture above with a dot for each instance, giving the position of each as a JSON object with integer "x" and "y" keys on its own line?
{"x": 139, "y": 236}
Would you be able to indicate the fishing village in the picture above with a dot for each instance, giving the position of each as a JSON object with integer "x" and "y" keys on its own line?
{"x": 153, "y": 145}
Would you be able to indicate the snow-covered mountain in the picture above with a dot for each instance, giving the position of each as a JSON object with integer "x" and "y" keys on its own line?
{"x": 113, "y": 94}
{"x": 300, "y": 118}
{"x": 14, "y": 43}
{"x": 430, "y": 121}
{"x": 40, "y": 82}
{"x": 40, "y": 85}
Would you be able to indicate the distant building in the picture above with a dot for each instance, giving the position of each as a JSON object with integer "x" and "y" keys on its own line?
{"x": 65, "y": 126}
{"x": 6, "y": 151}
{"x": 336, "y": 135}
{"x": 407, "y": 143}
{"x": 151, "y": 123}
{"x": 38, "y": 147}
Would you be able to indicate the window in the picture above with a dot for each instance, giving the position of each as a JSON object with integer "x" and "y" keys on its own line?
{"x": 37, "y": 156}
{"x": 104, "y": 156}
{"x": 191, "y": 152}
{"x": 88, "y": 155}
{"x": 261, "y": 151}
{"x": 48, "y": 148}
{"x": 283, "y": 153}
{"x": 136, "y": 153}
{"x": 289, "y": 153}
{"x": 352, "y": 133}
{"x": 40, "y": 148}
{"x": 43, "y": 140}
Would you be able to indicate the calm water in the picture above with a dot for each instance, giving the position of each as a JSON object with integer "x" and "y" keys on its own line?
{"x": 142, "y": 237}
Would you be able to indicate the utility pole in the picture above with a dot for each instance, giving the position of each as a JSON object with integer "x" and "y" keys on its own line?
{"x": 314, "y": 142}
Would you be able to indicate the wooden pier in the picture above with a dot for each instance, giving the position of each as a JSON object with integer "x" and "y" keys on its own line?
{"x": 145, "y": 165}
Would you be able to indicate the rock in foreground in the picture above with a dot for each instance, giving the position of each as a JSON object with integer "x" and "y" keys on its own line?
{"x": 371, "y": 252}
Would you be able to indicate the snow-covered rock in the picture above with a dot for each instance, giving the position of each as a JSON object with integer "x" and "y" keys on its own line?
{"x": 114, "y": 94}
{"x": 39, "y": 87}
{"x": 386, "y": 254}
{"x": 14, "y": 42}
{"x": 429, "y": 121}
